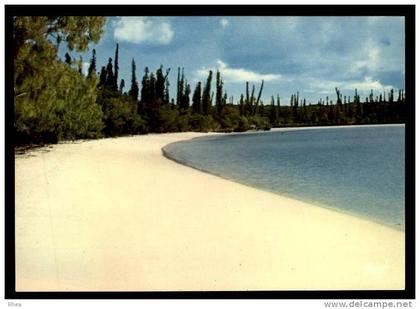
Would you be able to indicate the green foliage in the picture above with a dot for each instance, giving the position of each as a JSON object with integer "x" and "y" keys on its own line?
{"x": 116, "y": 68}
{"x": 109, "y": 82}
{"x": 196, "y": 106}
{"x": 102, "y": 77}
{"x": 259, "y": 123}
{"x": 202, "y": 123}
{"x": 230, "y": 120}
{"x": 119, "y": 114}
{"x": 206, "y": 98}
{"x": 134, "y": 90}
{"x": 38, "y": 37}
{"x": 60, "y": 105}
{"x": 160, "y": 83}
{"x": 92, "y": 65}
{"x": 219, "y": 91}
{"x": 54, "y": 101}
{"x": 243, "y": 125}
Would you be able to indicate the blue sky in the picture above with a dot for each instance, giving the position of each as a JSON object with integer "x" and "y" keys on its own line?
{"x": 312, "y": 55}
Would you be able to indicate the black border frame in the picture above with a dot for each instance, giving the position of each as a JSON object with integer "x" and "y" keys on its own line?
{"x": 408, "y": 11}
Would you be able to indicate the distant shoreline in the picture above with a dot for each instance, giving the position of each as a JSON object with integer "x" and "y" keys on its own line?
{"x": 338, "y": 127}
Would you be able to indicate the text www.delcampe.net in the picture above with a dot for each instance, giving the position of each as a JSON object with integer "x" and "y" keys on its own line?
{"x": 368, "y": 304}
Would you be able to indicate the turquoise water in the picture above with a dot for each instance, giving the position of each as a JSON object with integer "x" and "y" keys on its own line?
{"x": 358, "y": 170}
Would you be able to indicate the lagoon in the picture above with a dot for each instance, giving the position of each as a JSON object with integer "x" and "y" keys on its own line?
{"x": 356, "y": 170}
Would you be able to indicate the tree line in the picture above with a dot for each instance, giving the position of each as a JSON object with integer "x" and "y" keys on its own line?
{"x": 54, "y": 100}
{"x": 378, "y": 108}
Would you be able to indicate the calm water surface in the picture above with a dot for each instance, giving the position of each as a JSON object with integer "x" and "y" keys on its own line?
{"x": 359, "y": 170}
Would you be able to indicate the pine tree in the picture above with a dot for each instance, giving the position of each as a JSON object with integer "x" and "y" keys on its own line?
{"x": 145, "y": 87}
{"x": 122, "y": 85}
{"x": 273, "y": 110}
{"x": 356, "y": 97}
{"x": 241, "y": 106}
{"x": 102, "y": 77}
{"x": 109, "y": 75}
{"x": 196, "y": 105}
{"x": 166, "y": 94}
{"x": 179, "y": 86}
{"x": 116, "y": 68}
{"x": 144, "y": 95}
{"x": 134, "y": 90}
{"x": 371, "y": 96}
{"x": 339, "y": 96}
{"x": 391, "y": 95}
{"x": 207, "y": 97}
{"x": 92, "y": 66}
{"x": 259, "y": 97}
{"x": 152, "y": 89}
{"x": 247, "y": 101}
{"x": 160, "y": 84}
{"x": 224, "y": 101}
{"x": 219, "y": 90}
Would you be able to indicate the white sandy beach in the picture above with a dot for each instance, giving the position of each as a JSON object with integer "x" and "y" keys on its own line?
{"x": 115, "y": 215}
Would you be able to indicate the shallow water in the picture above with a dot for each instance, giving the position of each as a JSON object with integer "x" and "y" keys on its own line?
{"x": 359, "y": 170}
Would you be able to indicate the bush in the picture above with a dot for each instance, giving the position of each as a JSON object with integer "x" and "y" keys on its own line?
{"x": 202, "y": 123}
{"x": 243, "y": 125}
{"x": 120, "y": 115}
{"x": 58, "y": 104}
{"x": 259, "y": 123}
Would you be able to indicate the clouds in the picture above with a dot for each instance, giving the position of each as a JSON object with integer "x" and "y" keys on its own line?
{"x": 224, "y": 22}
{"x": 309, "y": 54}
{"x": 368, "y": 84}
{"x": 320, "y": 45}
{"x": 143, "y": 30}
{"x": 327, "y": 86}
{"x": 237, "y": 75}
{"x": 85, "y": 68}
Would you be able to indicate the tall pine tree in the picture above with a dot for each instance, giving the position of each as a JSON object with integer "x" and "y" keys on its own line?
{"x": 102, "y": 77}
{"x": 219, "y": 91}
{"x": 122, "y": 85}
{"x": 134, "y": 90}
{"x": 207, "y": 98}
{"x": 196, "y": 105}
{"x": 116, "y": 68}
{"x": 185, "y": 99}
{"x": 109, "y": 75}
{"x": 92, "y": 66}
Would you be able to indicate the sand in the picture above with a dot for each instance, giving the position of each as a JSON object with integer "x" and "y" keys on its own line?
{"x": 115, "y": 215}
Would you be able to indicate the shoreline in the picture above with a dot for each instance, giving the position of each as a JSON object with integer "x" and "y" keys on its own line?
{"x": 241, "y": 238}
{"x": 339, "y": 126}
{"x": 22, "y": 149}
{"x": 297, "y": 128}
{"x": 167, "y": 155}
